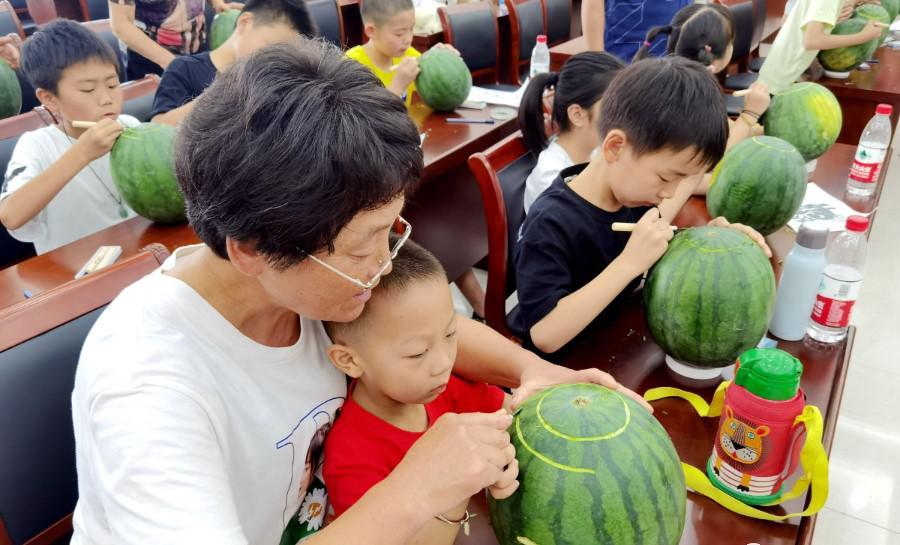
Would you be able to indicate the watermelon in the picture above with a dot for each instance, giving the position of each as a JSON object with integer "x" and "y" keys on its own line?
{"x": 595, "y": 468}
{"x": 845, "y": 59}
{"x": 444, "y": 80}
{"x": 142, "y": 168}
{"x": 808, "y": 116}
{"x": 710, "y": 297}
{"x": 222, "y": 26}
{"x": 10, "y": 92}
{"x": 760, "y": 182}
{"x": 874, "y": 12}
{"x": 892, "y": 7}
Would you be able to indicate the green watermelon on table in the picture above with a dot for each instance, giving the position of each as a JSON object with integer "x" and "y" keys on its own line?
{"x": 808, "y": 116}
{"x": 222, "y": 27}
{"x": 875, "y": 12}
{"x": 760, "y": 182}
{"x": 892, "y": 7}
{"x": 845, "y": 59}
{"x": 10, "y": 92}
{"x": 444, "y": 80}
{"x": 595, "y": 468}
{"x": 142, "y": 168}
{"x": 710, "y": 297}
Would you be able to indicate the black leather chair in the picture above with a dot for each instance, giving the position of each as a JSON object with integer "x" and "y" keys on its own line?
{"x": 97, "y": 9}
{"x": 40, "y": 342}
{"x": 558, "y": 14}
{"x": 9, "y": 20}
{"x": 526, "y": 22}
{"x": 501, "y": 172}
{"x": 11, "y": 250}
{"x": 472, "y": 30}
{"x": 138, "y": 97}
{"x": 327, "y": 16}
{"x": 28, "y": 25}
{"x": 749, "y": 19}
{"x": 103, "y": 29}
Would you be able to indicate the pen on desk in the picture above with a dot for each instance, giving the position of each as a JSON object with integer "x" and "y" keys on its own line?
{"x": 27, "y": 294}
{"x": 453, "y": 120}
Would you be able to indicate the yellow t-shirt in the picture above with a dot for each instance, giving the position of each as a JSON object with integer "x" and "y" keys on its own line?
{"x": 359, "y": 55}
{"x": 788, "y": 59}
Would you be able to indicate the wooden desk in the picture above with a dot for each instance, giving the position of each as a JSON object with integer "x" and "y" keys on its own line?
{"x": 446, "y": 211}
{"x": 424, "y": 42}
{"x": 864, "y": 90}
{"x": 560, "y": 53}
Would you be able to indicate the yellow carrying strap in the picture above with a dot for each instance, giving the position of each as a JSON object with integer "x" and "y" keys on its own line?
{"x": 813, "y": 459}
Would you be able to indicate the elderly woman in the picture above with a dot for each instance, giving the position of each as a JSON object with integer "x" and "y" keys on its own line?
{"x": 201, "y": 387}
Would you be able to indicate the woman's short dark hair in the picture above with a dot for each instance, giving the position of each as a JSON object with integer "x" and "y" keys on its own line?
{"x": 582, "y": 80}
{"x": 58, "y": 45}
{"x": 700, "y": 32}
{"x": 287, "y": 146}
{"x": 667, "y": 103}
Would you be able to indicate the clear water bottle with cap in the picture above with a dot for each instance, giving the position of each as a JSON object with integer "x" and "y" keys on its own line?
{"x": 844, "y": 264}
{"x": 540, "y": 57}
{"x": 873, "y": 145}
{"x": 800, "y": 280}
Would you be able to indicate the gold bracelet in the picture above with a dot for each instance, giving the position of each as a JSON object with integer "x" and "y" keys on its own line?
{"x": 464, "y": 522}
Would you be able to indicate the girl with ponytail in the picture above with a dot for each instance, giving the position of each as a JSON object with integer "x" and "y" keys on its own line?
{"x": 577, "y": 89}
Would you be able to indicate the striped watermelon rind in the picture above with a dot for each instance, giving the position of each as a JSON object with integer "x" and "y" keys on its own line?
{"x": 845, "y": 59}
{"x": 444, "y": 80}
{"x": 710, "y": 297}
{"x": 760, "y": 182}
{"x": 875, "y": 12}
{"x": 143, "y": 171}
{"x": 222, "y": 27}
{"x": 595, "y": 468}
{"x": 808, "y": 116}
{"x": 892, "y": 7}
{"x": 10, "y": 92}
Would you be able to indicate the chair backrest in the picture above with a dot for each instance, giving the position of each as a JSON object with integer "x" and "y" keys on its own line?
{"x": 103, "y": 28}
{"x": 40, "y": 340}
{"x": 558, "y": 14}
{"x": 472, "y": 29}
{"x": 94, "y": 10}
{"x": 526, "y": 23}
{"x": 138, "y": 97}
{"x": 11, "y": 250}
{"x": 9, "y": 21}
{"x": 327, "y": 15}
{"x": 501, "y": 171}
{"x": 743, "y": 31}
{"x": 760, "y": 7}
{"x": 42, "y": 11}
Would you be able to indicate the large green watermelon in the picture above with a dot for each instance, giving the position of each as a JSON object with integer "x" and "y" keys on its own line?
{"x": 222, "y": 26}
{"x": 10, "y": 92}
{"x": 710, "y": 297}
{"x": 595, "y": 469}
{"x": 444, "y": 80}
{"x": 760, "y": 182}
{"x": 874, "y": 12}
{"x": 141, "y": 164}
{"x": 892, "y": 7}
{"x": 808, "y": 116}
{"x": 845, "y": 59}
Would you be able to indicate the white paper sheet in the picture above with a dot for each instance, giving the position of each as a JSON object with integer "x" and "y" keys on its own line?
{"x": 818, "y": 205}
{"x": 492, "y": 96}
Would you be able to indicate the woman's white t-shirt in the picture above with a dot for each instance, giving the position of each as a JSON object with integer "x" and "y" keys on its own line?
{"x": 550, "y": 162}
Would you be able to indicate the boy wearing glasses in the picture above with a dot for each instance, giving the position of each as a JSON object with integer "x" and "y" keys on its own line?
{"x": 400, "y": 354}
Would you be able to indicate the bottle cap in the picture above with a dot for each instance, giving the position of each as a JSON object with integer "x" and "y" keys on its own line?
{"x": 857, "y": 224}
{"x": 769, "y": 373}
{"x": 543, "y": 39}
{"x": 812, "y": 235}
{"x": 884, "y": 109}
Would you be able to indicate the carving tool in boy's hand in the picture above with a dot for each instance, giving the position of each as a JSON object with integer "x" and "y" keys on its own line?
{"x": 83, "y": 124}
{"x": 621, "y": 227}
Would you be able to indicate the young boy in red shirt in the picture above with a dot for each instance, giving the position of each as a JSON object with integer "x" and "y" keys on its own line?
{"x": 400, "y": 353}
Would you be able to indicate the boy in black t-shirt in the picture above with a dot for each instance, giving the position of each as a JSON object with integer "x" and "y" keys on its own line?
{"x": 662, "y": 125}
{"x": 261, "y": 23}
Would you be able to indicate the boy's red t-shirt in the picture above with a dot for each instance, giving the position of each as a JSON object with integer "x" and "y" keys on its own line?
{"x": 362, "y": 449}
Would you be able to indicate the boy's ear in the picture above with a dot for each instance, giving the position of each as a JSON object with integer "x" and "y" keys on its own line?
{"x": 244, "y": 21}
{"x": 614, "y": 145}
{"x": 368, "y": 30}
{"x": 49, "y": 101}
{"x": 344, "y": 358}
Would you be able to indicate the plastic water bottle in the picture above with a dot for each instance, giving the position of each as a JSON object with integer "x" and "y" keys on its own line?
{"x": 540, "y": 57}
{"x": 800, "y": 280}
{"x": 839, "y": 290}
{"x": 875, "y": 140}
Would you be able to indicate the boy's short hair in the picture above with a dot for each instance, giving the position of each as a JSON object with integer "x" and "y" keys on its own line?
{"x": 287, "y": 146}
{"x": 57, "y": 46}
{"x": 294, "y": 12}
{"x": 668, "y": 102}
{"x": 379, "y": 12}
{"x": 413, "y": 264}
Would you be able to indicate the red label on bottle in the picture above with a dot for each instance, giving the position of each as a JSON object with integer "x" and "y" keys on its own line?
{"x": 866, "y": 173}
{"x": 832, "y": 312}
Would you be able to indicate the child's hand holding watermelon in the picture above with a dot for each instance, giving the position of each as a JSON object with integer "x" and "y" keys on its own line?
{"x": 96, "y": 141}
{"x": 404, "y": 73}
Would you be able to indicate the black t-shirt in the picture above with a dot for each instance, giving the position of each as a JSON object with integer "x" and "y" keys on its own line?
{"x": 564, "y": 243}
{"x": 184, "y": 80}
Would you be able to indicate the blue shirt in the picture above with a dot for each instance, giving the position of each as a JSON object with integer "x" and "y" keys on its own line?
{"x": 628, "y": 21}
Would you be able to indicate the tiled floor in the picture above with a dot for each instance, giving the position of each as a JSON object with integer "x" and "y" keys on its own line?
{"x": 864, "y": 501}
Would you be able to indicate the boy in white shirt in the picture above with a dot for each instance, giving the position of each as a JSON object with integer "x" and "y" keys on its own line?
{"x": 58, "y": 187}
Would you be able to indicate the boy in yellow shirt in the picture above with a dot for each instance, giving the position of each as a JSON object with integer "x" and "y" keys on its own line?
{"x": 806, "y": 31}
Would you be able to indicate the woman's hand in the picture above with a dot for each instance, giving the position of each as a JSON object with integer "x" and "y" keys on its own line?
{"x": 221, "y": 6}
{"x": 10, "y": 48}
